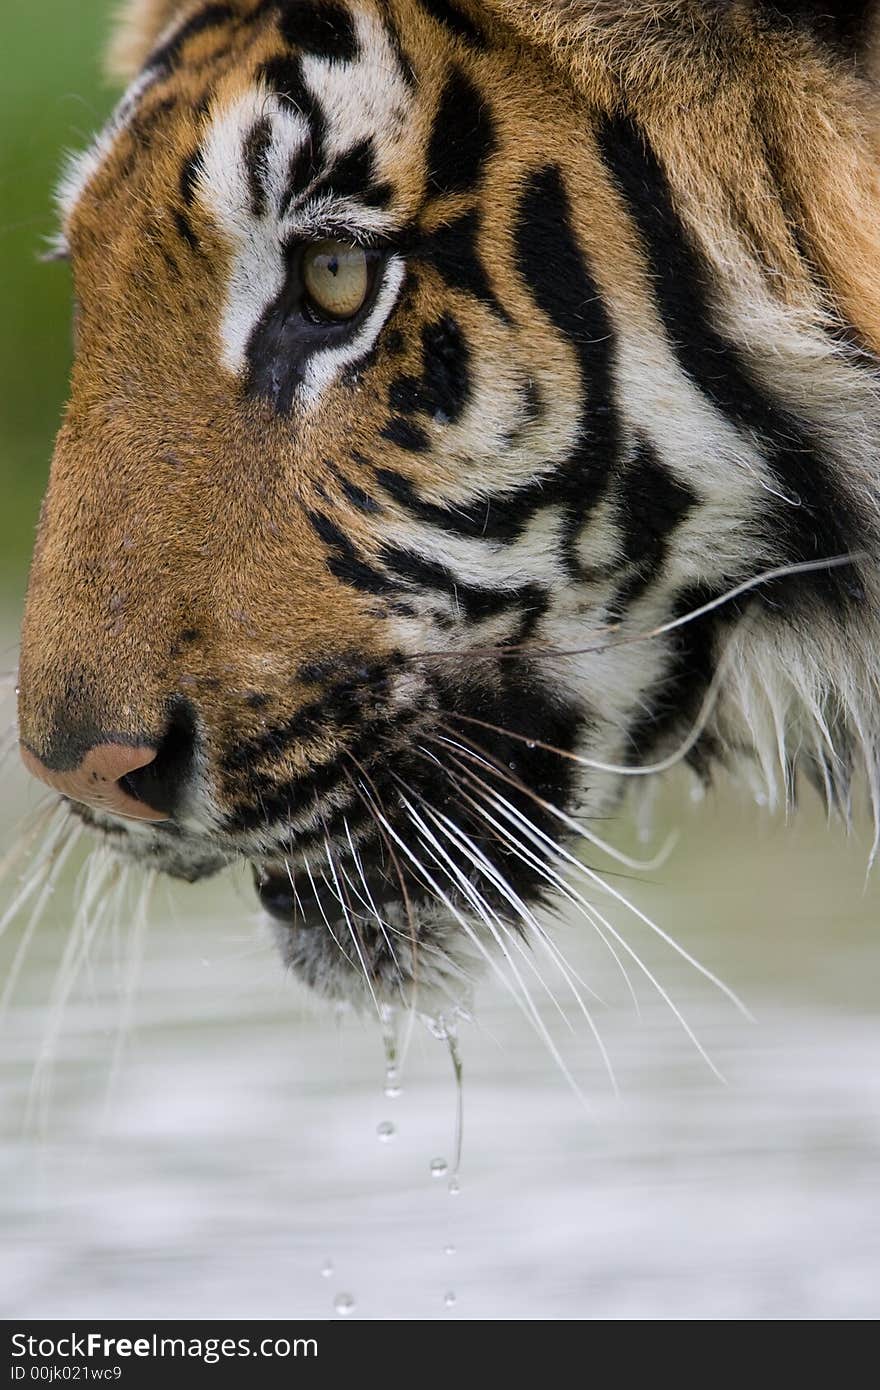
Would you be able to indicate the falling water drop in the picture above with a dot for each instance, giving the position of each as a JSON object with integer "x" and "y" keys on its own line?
{"x": 392, "y": 1083}
{"x": 344, "y": 1304}
{"x": 449, "y": 1250}
{"x": 439, "y": 1167}
{"x": 454, "y": 1187}
{"x": 327, "y": 1269}
{"x": 385, "y": 1131}
{"x": 449, "y": 1299}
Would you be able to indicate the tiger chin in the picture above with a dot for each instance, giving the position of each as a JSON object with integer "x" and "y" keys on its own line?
{"x": 474, "y": 409}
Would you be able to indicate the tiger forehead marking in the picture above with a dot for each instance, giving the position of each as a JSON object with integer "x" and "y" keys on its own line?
{"x": 441, "y": 368}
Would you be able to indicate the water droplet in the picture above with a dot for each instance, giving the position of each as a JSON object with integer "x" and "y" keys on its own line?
{"x": 385, "y": 1131}
{"x": 512, "y": 765}
{"x": 449, "y": 1299}
{"x": 344, "y": 1304}
{"x": 449, "y": 1250}
{"x": 327, "y": 1269}
{"x": 530, "y": 743}
{"x": 439, "y": 1167}
{"x": 454, "y": 1187}
{"x": 393, "y": 1087}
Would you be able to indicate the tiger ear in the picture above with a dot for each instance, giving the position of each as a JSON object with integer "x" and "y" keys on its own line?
{"x": 138, "y": 27}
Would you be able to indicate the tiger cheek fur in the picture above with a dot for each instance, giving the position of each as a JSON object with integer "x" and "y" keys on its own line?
{"x": 348, "y": 594}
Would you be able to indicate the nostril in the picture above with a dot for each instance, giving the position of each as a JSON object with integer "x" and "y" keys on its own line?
{"x": 162, "y": 783}
{"x": 97, "y": 777}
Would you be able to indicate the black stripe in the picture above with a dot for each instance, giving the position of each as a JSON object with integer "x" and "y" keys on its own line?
{"x": 475, "y": 602}
{"x": 305, "y": 166}
{"x": 406, "y": 435}
{"x": 456, "y": 21}
{"x": 409, "y": 570}
{"x": 820, "y": 524}
{"x": 556, "y": 274}
{"x": 189, "y": 173}
{"x": 502, "y": 517}
{"x": 443, "y": 390}
{"x": 301, "y": 795}
{"x": 649, "y": 505}
{"x": 284, "y": 78}
{"x": 673, "y": 702}
{"x": 209, "y": 18}
{"x": 452, "y": 251}
{"x": 185, "y": 230}
{"x": 346, "y": 562}
{"x": 462, "y": 138}
{"x": 353, "y": 175}
{"x": 325, "y": 30}
{"x": 406, "y": 68}
{"x": 355, "y": 495}
{"x": 256, "y": 149}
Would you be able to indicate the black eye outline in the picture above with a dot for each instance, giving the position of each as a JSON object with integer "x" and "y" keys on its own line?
{"x": 315, "y": 313}
{"x": 292, "y": 330}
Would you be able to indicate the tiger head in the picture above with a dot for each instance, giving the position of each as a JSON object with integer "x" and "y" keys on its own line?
{"x": 471, "y": 404}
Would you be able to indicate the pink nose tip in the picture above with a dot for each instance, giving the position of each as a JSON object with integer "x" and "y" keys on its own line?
{"x": 97, "y": 779}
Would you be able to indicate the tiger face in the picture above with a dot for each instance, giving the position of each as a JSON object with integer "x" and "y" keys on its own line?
{"x": 429, "y": 402}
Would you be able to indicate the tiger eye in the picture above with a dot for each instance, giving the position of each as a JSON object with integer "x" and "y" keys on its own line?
{"x": 336, "y": 277}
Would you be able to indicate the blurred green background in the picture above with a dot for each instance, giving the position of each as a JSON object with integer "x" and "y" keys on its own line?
{"x": 53, "y": 96}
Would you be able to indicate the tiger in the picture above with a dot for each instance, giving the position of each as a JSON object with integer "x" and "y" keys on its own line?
{"x": 474, "y": 409}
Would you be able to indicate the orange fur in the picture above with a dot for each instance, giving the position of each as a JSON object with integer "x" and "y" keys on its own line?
{"x": 176, "y": 504}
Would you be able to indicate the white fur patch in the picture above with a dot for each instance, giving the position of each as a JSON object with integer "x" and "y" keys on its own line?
{"x": 364, "y": 99}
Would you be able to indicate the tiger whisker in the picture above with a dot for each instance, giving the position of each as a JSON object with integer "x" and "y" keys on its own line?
{"x": 353, "y": 932}
{"x": 534, "y": 833}
{"x": 429, "y": 880}
{"x": 597, "y": 841}
{"x": 464, "y": 840}
{"x": 730, "y": 595}
{"x": 320, "y": 905}
{"x": 678, "y": 755}
{"x": 367, "y": 800}
{"x": 40, "y": 865}
{"x": 484, "y": 911}
{"x": 370, "y": 903}
{"x": 597, "y": 880}
{"x": 58, "y": 859}
{"x": 496, "y": 877}
{"x": 298, "y": 903}
{"x": 556, "y": 882}
{"x": 136, "y": 939}
{"x": 524, "y": 999}
{"x": 84, "y": 929}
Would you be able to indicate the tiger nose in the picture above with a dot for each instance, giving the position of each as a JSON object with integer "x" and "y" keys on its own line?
{"x": 100, "y": 779}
